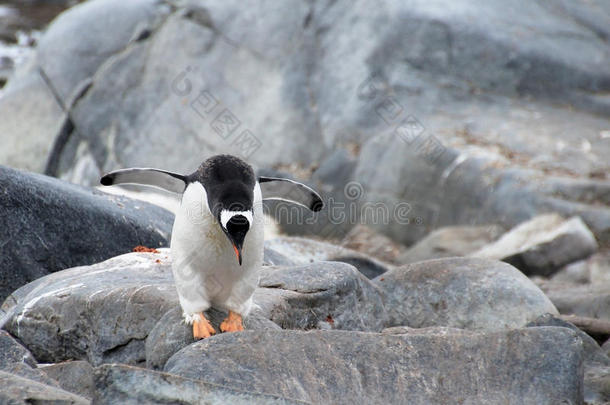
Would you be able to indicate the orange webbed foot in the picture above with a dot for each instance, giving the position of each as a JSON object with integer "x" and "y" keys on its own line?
{"x": 233, "y": 323}
{"x": 202, "y": 328}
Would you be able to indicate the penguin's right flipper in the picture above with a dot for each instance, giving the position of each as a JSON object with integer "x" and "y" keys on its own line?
{"x": 165, "y": 180}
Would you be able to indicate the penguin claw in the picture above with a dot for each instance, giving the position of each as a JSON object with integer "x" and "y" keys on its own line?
{"x": 202, "y": 328}
{"x": 233, "y": 323}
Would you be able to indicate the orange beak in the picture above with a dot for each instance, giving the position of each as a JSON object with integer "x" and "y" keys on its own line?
{"x": 237, "y": 254}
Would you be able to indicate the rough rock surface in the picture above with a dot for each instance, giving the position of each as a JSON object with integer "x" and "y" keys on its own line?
{"x": 73, "y": 376}
{"x": 171, "y": 334}
{"x": 321, "y": 295}
{"x": 533, "y": 365}
{"x": 450, "y": 241}
{"x": 17, "y": 360}
{"x": 48, "y": 225}
{"x": 478, "y": 96}
{"x": 100, "y": 313}
{"x": 19, "y": 390}
{"x": 465, "y": 293}
{"x": 596, "y": 362}
{"x": 111, "y": 311}
{"x": 542, "y": 245}
{"x": 120, "y": 384}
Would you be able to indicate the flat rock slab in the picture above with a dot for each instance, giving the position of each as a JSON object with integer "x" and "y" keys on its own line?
{"x": 120, "y": 384}
{"x": 467, "y": 293}
{"x": 19, "y": 390}
{"x": 533, "y": 365}
{"x": 49, "y": 225}
{"x": 100, "y": 313}
{"x": 542, "y": 245}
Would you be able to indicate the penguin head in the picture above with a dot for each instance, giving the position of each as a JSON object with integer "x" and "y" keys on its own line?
{"x": 229, "y": 183}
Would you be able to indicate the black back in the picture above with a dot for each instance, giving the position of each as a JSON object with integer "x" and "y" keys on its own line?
{"x": 228, "y": 181}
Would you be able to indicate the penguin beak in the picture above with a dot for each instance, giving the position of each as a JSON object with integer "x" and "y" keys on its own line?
{"x": 237, "y": 253}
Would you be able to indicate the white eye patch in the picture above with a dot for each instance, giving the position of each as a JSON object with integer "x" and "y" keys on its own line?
{"x": 226, "y": 215}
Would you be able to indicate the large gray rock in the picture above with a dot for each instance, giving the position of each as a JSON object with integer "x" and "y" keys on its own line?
{"x": 450, "y": 241}
{"x": 19, "y": 390}
{"x": 542, "y": 245}
{"x": 424, "y": 195}
{"x": 533, "y": 366}
{"x": 120, "y": 384}
{"x": 465, "y": 293}
{"x": 48, "y": 225}
{"x": 100, "y": 313}
{"x": 471, "y": 89}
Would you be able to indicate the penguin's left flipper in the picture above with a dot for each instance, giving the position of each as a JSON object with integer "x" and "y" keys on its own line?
{"x": 276, "y": 188}
{"x": 163, "y": 179}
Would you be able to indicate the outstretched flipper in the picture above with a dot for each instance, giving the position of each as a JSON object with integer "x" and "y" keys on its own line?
{"x": 275, "y": 188}
{"x": 174, "y": 182}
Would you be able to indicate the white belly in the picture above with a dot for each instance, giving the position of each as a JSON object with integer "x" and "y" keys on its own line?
{"x": 206, "y": 270}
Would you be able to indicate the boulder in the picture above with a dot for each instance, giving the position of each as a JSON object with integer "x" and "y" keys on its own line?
{"x": 588, "y": 300}
{"x": 450, "y": 241}
{"x": 467, "y": 293}
{"x": 542, "y": 245}
{"x": 73, "y": 376}
{"x": 121, "y": 384}
{"x": 533, "y": 365}
{"x": 100, "y": 313}
{"x": 19, "y": 390}
{"x": 460, "y": 103}
{"x": 54, "y": 225}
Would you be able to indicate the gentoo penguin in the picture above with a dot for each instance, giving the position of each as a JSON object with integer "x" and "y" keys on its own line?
{"x": 217, "y": 238}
